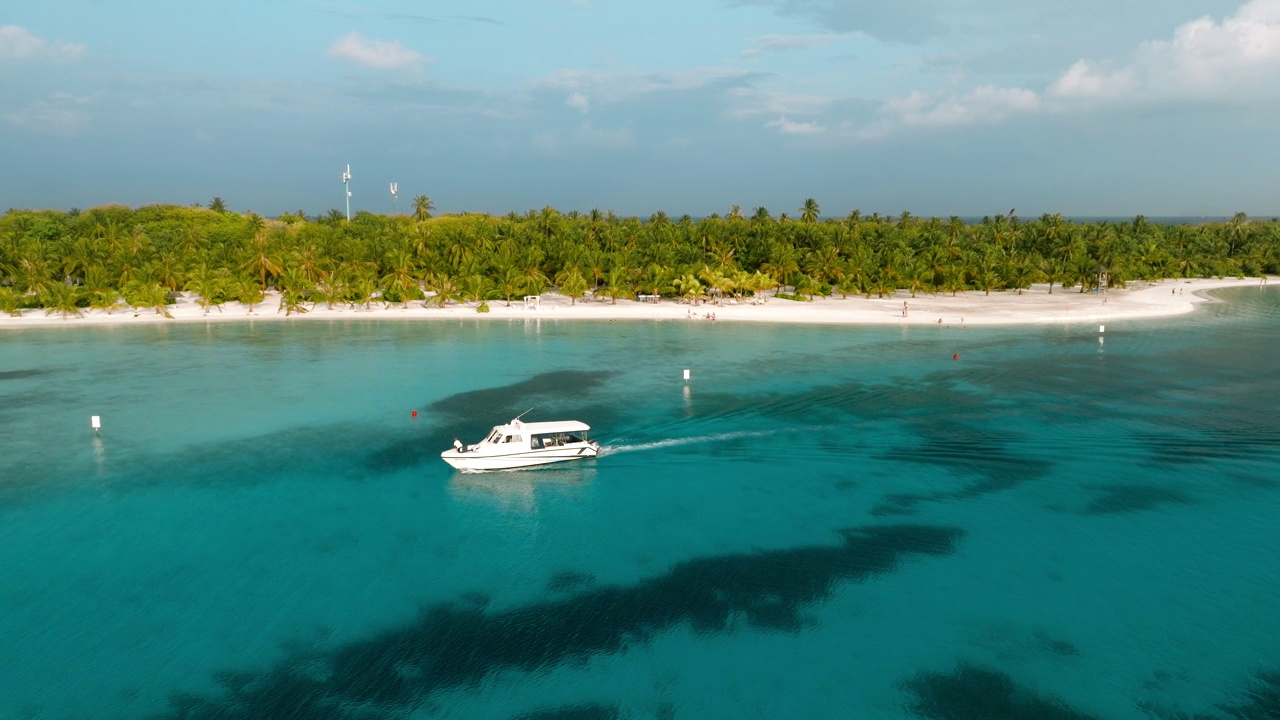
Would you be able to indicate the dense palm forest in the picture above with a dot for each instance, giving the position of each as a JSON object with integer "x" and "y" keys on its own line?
{"x": 110, "y": 256}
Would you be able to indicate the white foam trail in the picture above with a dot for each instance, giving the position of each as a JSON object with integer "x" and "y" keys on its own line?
{"x": 615, "y": 449}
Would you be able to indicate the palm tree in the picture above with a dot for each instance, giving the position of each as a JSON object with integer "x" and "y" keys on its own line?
{"x": 167, "y": 270}
{"x": 246, "y": 291}
{"x": 474, "y": 286}
{"x": 572, "y": 284}
{"x": 782, "y": 263}
{"x": 510, "y": 282}
{"x": 422, "y": 207}
{"x": 105, "y": 299}
{"x": 217, "y": 205}
{"x": 206, "y": 283}
{"x": 688, "y": 287}
{"x": 264, "y": 259}
{"x": 953, "y": 281}
{"x": 824, "y": 264}
{"x": 918, "y": 277}
{"x": 82, "y": 255}
{"x": 717, "y": 281}
{"x": 1054, "y": 270}
{"x": 616, "y": 285}
{"x": 9, "y": 301}
{"x": 806, "y": 284}
{"x": 446, "y": 288}
{"x": 761, "y": 283}
{"x": 1237, "y": 233}
{"x": 362, "y": 285}
{"x": 332, "y": 291}
{"x": 881, "y": 286}
{"x": 62, "y": 299}
{"x": 401, "y": 280}
{"x": 535, "y": 281}
{"x": 1084, "y": 270}
{"x": 1022, "y": 273}
{"x": 657, "y": 280}
{"x": 148, "y": 295}
{"x": 548, "y": 221}
{"x": 809, "y": 211}
{"x": 295, "y": 290}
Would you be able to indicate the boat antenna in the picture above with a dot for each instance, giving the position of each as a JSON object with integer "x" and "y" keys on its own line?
{"x": 526, "y": 412}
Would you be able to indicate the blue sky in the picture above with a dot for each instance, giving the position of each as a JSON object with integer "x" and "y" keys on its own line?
{"x": 939, "y": 107}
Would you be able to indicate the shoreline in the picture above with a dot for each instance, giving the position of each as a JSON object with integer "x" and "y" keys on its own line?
{"x": 1036, "y": 306}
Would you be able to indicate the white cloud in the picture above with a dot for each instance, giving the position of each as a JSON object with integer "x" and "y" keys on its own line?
{"x": 579, "y": 102}
{"x": 59, "y": 114}
{"x": 1234, "y": 60}
{"x": 984, "y": 105}
{"x": 17, "y": 43}
{"x": 1085, "y": 80}
{"x": 770, "y": 44}
{"x": 375, "y": 54}
{"x": 787, "y": 127}
{"x": 627, "y": 84}
{"x": 1204, "y": 59}
{"x": 754, "y": 101}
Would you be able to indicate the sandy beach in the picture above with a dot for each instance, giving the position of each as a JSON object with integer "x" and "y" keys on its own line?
{"x": 1034, "y": 306}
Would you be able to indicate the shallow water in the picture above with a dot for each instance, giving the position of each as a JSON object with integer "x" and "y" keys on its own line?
{"x": 824, "y": 522}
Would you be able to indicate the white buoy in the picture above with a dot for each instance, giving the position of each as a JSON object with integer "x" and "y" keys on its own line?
{"x": 686, "y": 374}
{"x": 1102, "y": 328}
{"x": 95, "y": 422}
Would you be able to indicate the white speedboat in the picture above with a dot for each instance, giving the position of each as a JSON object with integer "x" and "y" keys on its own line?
{"x": 523, "y": 444}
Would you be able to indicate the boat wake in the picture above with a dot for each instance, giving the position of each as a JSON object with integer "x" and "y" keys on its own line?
{"x": 672, "y": 442}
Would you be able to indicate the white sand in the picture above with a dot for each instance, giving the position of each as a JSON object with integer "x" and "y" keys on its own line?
{"x": 1034, "y": 306}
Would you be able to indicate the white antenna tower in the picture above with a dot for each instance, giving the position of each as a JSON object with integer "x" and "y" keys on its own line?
{"x": 346, "y": 185}
{"x": 395, "y": 192}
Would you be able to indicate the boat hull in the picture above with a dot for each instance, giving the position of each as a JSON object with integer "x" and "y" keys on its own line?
{"x": 478, "y": 461}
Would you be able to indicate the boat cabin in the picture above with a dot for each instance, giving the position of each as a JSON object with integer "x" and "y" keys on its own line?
{"x": 536, "y": 436}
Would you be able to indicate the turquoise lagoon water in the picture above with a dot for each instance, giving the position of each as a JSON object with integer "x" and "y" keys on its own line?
{"x": 825, "y": 522}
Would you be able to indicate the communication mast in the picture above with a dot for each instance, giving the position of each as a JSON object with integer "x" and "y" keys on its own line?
{"x": 346, "y": 185}
{"x": 395, "y": 192}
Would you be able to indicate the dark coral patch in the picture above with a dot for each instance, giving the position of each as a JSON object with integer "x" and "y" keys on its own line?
{"x": 974, "y": 693}
{"x": 458, "y": 645}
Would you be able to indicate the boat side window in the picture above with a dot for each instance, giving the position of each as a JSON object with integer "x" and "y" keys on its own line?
{"x": 516, "y": 439}
{"x": 506, "y": 439}
{"x": 573, "y": 439}
{"x": 535, "y": 442}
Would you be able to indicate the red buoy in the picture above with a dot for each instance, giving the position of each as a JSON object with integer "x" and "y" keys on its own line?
{"x": 956, "y": 356}
{"x": 415, "y": 413}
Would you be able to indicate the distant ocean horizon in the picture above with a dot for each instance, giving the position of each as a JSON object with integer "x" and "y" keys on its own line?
{"x": 823, "y": 522}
